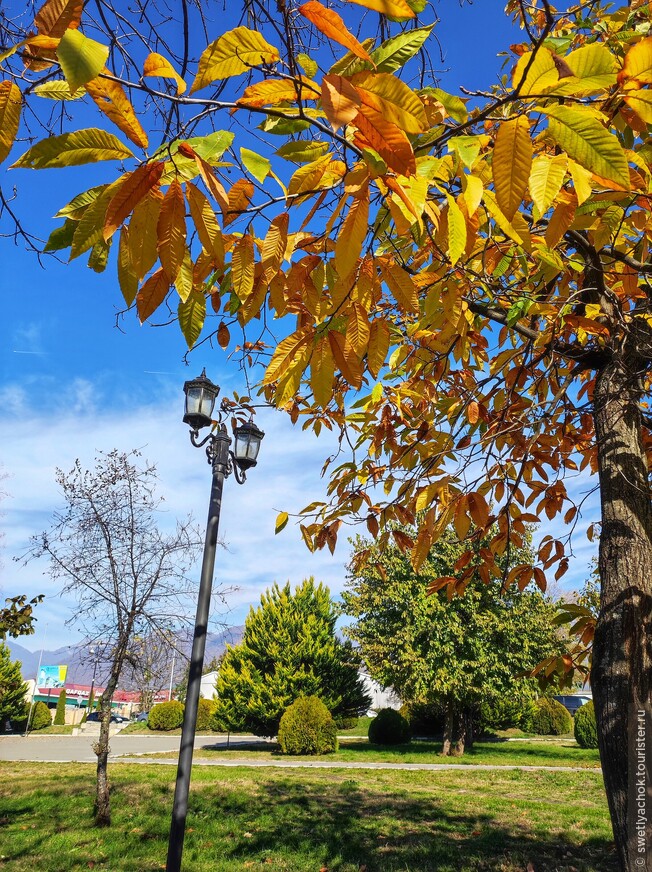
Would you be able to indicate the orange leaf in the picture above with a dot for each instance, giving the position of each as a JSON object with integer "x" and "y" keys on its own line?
{"x": 171, "y": 230}
{"x": 473, "y": 412}
{"x": 393, "y": 8}
{"x": 272, "y": 91}
{"x": 479, "y": 509}
{"x": 205, "y": 223}
{"x": 345, "y": 358}
{"x": 223, "y": 335}
{"x": 156, "y": 65}
{"x": 340, "y": 100}
{"x": 401, "y": 286}
{"x": 387, "y": 139}
{"x": 332, "y": 26}
{"x": 152, "y": 294}
{"x": 111, "y": 99}
{"x": 215, "y": 187}
{"x": 378, "y": 346}
{"x": 57, "y": 16}
{"x": 130, "y": 193}
{"x": 239, "y": 198}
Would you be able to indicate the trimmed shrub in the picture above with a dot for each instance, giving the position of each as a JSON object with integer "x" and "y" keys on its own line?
{"x": 389, "y": 727}
{"x": 506, "y": 712}
{"x": 550, "y": 718}
{"x": 41, "y": 717}
{"x": 307, "y": 727}
{"x": 585, "y": 727}
{"x": 344, "y": 723}
{"x": 166, "y": 716}
{"x": 205, "y": 711}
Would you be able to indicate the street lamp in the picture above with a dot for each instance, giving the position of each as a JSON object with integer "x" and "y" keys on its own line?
{"x": 201, "y": 394}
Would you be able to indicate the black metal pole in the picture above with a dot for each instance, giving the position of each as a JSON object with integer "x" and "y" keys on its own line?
{"x": 220, "y": 454}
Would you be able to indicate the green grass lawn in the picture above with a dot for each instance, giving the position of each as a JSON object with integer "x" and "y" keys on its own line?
{"x": 489, "y": 753}
{"x": 361, "y": 729}
{"x": 305, "y": 821}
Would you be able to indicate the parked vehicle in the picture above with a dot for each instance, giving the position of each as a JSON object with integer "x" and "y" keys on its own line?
{"x": 142, "y": 718}
{"x": 94, "y": 717}
{"x": 573, "y": 701}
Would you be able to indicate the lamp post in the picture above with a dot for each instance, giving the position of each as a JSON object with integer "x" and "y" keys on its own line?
{"x": 201, "y": 395}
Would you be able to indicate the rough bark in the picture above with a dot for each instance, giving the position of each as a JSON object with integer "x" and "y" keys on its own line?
{"x": 449, "y": 726}
{"x": 455, "y": 730}
{"x": 101, "y": 747}
{"x": 622, "y": 654}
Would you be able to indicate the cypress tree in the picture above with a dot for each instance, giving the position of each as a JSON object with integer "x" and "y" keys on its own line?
{"x": 60, "y": 713}
{"x": 289, "y": 649}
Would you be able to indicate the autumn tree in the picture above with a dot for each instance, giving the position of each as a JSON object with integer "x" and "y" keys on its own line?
{"x": 457, "y": 654}
{"x": 129, "y": 577}
{"x": 289, "y": 649}
{"x": 457, "y": 283}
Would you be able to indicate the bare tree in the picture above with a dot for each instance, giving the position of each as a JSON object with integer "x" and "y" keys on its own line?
{"x": 150, "y": 663}
{"x": 130, "y": 579}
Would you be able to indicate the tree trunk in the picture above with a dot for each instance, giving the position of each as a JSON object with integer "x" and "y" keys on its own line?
{"x": 101, "y": 747}
{"x": 622, "y": 656}
{"x": 459, "y": 737}
{"x": 449, "y": 728}
{"x": 470, "y": 734}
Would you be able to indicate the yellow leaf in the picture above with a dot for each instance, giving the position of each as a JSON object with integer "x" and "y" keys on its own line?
{"x": 272, "y": 91}
{"x": 340, "y": 100}
{"x": 358, "y": 329}
{"x": 205, "y": 223}
{"x": 401, "y": 286}
{"x": 511, "y": 163}
{"x": 473, "y": 192}
{"x": 594, "y": 69}
{"x": 274, "y": 246}
{"x": 127, "y": 278}
{"x": 546, "y": 178}
{"x": 379, "y": 337}
{"x": 10, "y": 105}
{"x": 456, "y": 230}
{"x": 584, "y": 138}
{"x": 332, "y": 26}
{"x": 352, "y": 234}
{"x": 192, "y": 314}
{"x": 156, "y": 65}
{"x": 242, "y": 265}
{"x": 171, "y": 231}
{"x": 110, "y": 98}
{"x": 235, "y": 52}
{"x": 142, "y": 241}
{"x": 57, "y": 16}
{"x": 395, "y": 100}
{"x": 73, "y": 149}
{"x": 152, "y": 294}
{"x": 581, "y": 181}
{"x": 135, "y": 186}
{"x": 541, "y": 75}
{"x": 641, "y": 102}
{"x": 322, "y": 372}
{"x": 91, "y": 224}
{"x": 638, "y": 63}
{"x": 281, "y": 522}
{"x": 308, "y": 177}
{"x": 239, "y": 198}
{"x": 284, "y": 353}
{"x": 391, "y": 8}
{"x": 184, "y": 282}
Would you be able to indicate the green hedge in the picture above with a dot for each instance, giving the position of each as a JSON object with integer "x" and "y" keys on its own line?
{"x": 307, "y": 727}
{"x": 389, "y": 727}
{"x": 506, "y": 712}
{"x": 585, "y": 728}
{"x": 166, "y": 716}
{"x": 550, "y": 718}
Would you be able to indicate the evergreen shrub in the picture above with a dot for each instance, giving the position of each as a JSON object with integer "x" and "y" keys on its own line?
{"x": 585, "y": 727}
{"x": 41, "y": 717}
{"x": 205, "y": 711}
{"x": 506, "y": 712}
{"x": 60, "y": 713}
{"x": 550, "y": 718}
{"x": 389, "y": 727}
{"x": 166, "y": 716}
{"x": 307, "y": 727}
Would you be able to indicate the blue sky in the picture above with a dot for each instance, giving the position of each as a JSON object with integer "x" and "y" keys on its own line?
{"x": 71, "y": 383}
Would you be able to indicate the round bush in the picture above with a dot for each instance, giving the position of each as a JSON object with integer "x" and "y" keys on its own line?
{"x": 41, "y": 717}
{"x": 205, "y": 711}
{"x": 550, "y": 718}
{"x": 389, "y": 727}
{"x": 307, "y": 727}
{"x": 166, "y": 716}
{"x": 586, "y": 730}
{"x": 344, "y": 722}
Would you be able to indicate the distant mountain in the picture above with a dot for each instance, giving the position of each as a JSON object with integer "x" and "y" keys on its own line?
{"x": 80, "y": 664}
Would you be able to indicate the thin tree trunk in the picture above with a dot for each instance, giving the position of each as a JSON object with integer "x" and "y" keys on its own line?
{"x": 101, "y": 748}
{"x": 622, "y": 656}
{"x": 459, "y": 737}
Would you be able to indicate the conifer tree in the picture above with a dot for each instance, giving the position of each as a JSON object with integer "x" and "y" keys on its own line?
{"x": 12, "y": 689}
{"x": 60, "y": 713}
{"x": 289, "y": 649}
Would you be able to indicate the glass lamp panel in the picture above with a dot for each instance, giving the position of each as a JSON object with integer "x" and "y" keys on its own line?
{"x": 206, "y": 402}
{"x": 193, "y": 400}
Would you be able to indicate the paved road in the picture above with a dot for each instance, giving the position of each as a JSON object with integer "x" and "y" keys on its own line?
{"x": 78, "y": 749}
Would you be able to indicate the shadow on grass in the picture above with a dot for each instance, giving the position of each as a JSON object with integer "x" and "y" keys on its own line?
{"x": 348, "y": 828}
